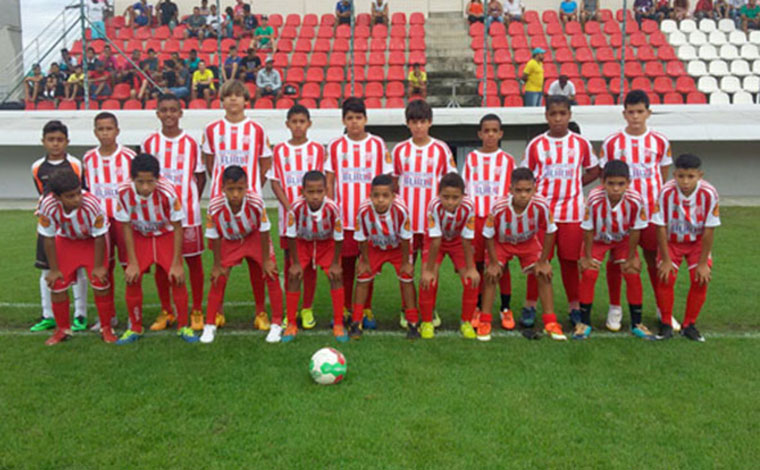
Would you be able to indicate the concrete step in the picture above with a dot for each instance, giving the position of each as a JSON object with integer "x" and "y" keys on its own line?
{"x": 457, "y": 54}
{"x": 445, "y": 33}
{"x": 465, "y": 101}
{"x": 454, "y": 43}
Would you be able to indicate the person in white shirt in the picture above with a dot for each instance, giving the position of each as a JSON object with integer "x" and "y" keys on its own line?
{"x": 563, "y": 86}
{"x": 513, "y": 10}
{"x": 96, "y": 12}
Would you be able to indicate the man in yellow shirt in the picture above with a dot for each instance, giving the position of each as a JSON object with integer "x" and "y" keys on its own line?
{"x": 203, "y": 83}
{"x": 417, "y": 82}
{"x": 533, "y": 76}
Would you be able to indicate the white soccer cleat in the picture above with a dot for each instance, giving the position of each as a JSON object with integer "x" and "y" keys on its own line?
{"x": 275, "y": 333}
{"x": 673, "y": 322}
{"x": 614, "y": 318}
{"x": 209, "y": 333}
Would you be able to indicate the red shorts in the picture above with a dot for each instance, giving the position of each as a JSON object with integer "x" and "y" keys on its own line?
{"x": 479, "y": 243}
{"x": 116, "y": 240}
{"x": 377, "y": 258}
{"x": 453, "y": 248}
{"x": 283, "y": 242}
{"x": 528, "y": 252}
{"x": 418, "y": 242}
{"x": 316, "y": 254}
{"x": 154, "y": 250}
{"x": 690, "y": 251}
{"x": 192, "y": 244}
{"x": 618, "y": 251}
{"x": 568, "y": 241}
{"x": 648, "y": 238}
{"x": 235, "y": 251}
{"x": 350, "y": 247}
{"x": 72, "y": 255}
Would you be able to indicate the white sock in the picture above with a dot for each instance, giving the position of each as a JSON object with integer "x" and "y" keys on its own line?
{"x": 80, "y": 294}
{"x": 45, "y": 297}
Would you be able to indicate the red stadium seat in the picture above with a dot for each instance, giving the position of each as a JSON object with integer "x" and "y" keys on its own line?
{"x": 476, "y": 30}
{"x": 535, "y": 29}
{"x": 611, "y": 69}
{"x": 71, "y": 105}
{"x": 663, "y": 85}
{"x": 502, "y": 56}
{"x": 325, "y": 32}
{"x": 109, "y": 104}
{"x": 696, "y": 97}
{"x": 654, "y": 69}
{"x": 335, "y": 74}
{"x": 280, "y": 60}
{"x": 675, "y": 69}
{"x": 337, "y": 59}
{"x": 564, "y": 55}
{"x": 50, "y": 105}
{"x": 506, "y": 71}
{"x": 685, "y": 85}
{"x": 309, "y": 103}
{"x": 582, "y": 100}
{"x": 284, "y": 103}
{"x": 597, "y": 86}
{"x": 358, "y": 90}
{"x": 417, "y": 18}
{"x": 134, "y": 45}
{"x": 616, "y": 40}
{"x": 605, "y": 54}
{"x": 549, "y": 16}
{"x": 358, "y": 74}
{"x": 397, "y": 45}
{"x": 263, "y": 103}
{"x": 531, "y": 17}
{"x": 125, "y": 34}
{"x": 516, "y": 29}
{"x": 170, "y": 46}
{"x": 373, "y": 103}
{"x": 121, "y": 91}
{"x": 611, "y": 28}
{"x": 592, "y": 27}
{"x": 340, "y": 45}
{"x": 328, "y": 103}
{"x": 318, "y": 59}
{"x": 251, "y": 88}
{"x": 198, "y": 103}
{"x": 658, "y": 39}
{"x": 331, "y": 90}
{"x": 374, "y": 90}
{"x": 605, "y": 15}
{"x": 540, "y": 41}
{"x": 509, "y": 87}
{"x": 275, "y": 20}
{"x": 398, "y": 18}
{"x": 398, "y": 31}
{"x": 604, "y": 99}
{"x": 513, "y": 101}
{"x": 285, "y": 45}
{"x": 396, "y": 73}
{"x": 417, "y": 44}
{"x": 343, "y": 31}
{"x": 315, "y": 75}
{"x": 638, "y": 40}
{"x": 550, "y": 70}
{"x": 361, "y": 45}
{"x": 666, "y": 53}
{"x": 376, "y": 74}
{"x": 209, "y": 46}
{"x": 522, "y": 56}
{"x": 672, "y": 98}
{"x": 497, "y": 29}
{"x": 361, "y": 31}
{"x": 491, "y": 88}
{"x": 633, "y": 69}
{"x": 584, "y": 55}
{"x": 310, "y": 19}
{"x": 378, "y": 45}
{"x": 377, "y": 58}
{"x": 380, "y": 31}
{"x": 303, "y": 45}
{"x": 580, "y": 87}
{"x": 394, "y": 103}
{"x": 490, "y": 73}
{"x": 417, "y": 31}
{"x": 295, "y": 75}
{"x": 299, "y": 59}
{"x": 641, "y": 83}
{"x": 93, "y": 105}
{"x": 499, "y": 42}
{"x": 143, "y": 34}
{"x": 590, "y": 70}
{"x": 615, "y": 86}
{"x": 570, "y": 69}
{"x": 416, "y": 57}
{"x": 190, "y": 44}
{"x": 310, "y": 90}
{"x": 645, "y": 54}
{"x": 307, "y": 32}
{"x": 573, "y": 27}
{"x": 519, "y": 42}
{"x": 492, "y": 101}
{"x": 629, "y": 54}
{"x": 578, "y": 41}
{"x": 394, "y": 90}
{"x": 598, "y": 40}
{"x": 293, "y": 20}
{"x": 363, "y": 19}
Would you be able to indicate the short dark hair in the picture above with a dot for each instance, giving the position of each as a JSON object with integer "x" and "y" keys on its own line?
{"x": 313, "y": 175}
{"x": 167, "y": 97}
{"x": 688, "y": 161}
{"x": 64, "y": 180}
{"x": 489, "y": 117}
{"x": 616, "y": 168}
{"x": 55, "y": 126}
{"x": 234, "y": 173}
{"x": 353, "y": 105}
{"x": 106, "y": 115}
{"x": 418, "y": 110}
{"x": 523, "y": 174}
{"x": 451, "y": 180}
{"x": 382, "y": 180}
{"x": 145, "y": 162}
{"x": 298, "y": 109}
{"x": 636, "y": 97}
{"x": 559, "y": 100}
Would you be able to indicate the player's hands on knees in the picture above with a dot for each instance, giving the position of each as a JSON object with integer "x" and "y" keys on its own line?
{"x": 665, "y": 269}
{"x": 217, "y": 272}
{"x": 335, "y": 273}
{"x": 407, "y": 269}
{"x": 472, "y": 278}
{"x": 295, "y": 272}
{"x": 544, "y": 269}
{"x": 362, "y": 268}
{"x": 702, "y": 273}
{"x": 269, "y": 269}
{"x": 587, "y": 263}
{"x": 52, "y": 276}
{"x": 493, "y": 272}
{"x": 131, "y": 273}
{"x": 632, "y": 266}
{"x": 100, "y": 274}
{"x": 427, "y": 280}
{"x": 177, "y": 274}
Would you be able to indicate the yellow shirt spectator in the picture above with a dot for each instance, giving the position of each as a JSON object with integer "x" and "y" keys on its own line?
{"x": 75, "y": 78}
{"x": 535, "y": 72}
{"x": 205, "y": 76}
{"x": 416, "y": 81}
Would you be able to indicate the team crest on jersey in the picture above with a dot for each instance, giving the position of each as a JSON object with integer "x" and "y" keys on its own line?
{"x": 264, "y": 218}
{"x": 587, "y": 214}
{"x": 452, "y": 162}
{"x": 338, "y": 226}
{"x": 471, "y": 223}
{"x": 656, "y": 208}
{"x": 643, "y": 215}
{"x": 387, "y": 157}
{"x": 716, "y": 211}
{"x": 177, "y": 205}
{"x": 291, "y": 219}
{"x": 489, "y": 221}
{"x": 431, "y": 221}
{"x": 99, "y": 221}
{"x": 209, "y": 221}
{"x": 406, "y": 225}
{"x": 551, "y": 218}
{"x": 44, "y": 221}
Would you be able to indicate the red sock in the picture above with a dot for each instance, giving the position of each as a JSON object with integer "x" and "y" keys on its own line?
{"x": 486, "y": 317}
{"x": 548, "y": 318}
{"x": 337, "y": 305}
{"x": 256, "y": 276}
{"x": 163, "y": 286}
{"x": 427, "y": 303}
{"x": 570, "y": 278}
{"x": 633, "y": 289}
{"x": 469, "y": 302}
{"x": 505, "y": 283}
{"x": 134, "y": 298}
{"x": 531, "y": 289}
{"x": 62, "y": 314}
{"x": 652, "y": 270}
{"x": 413, "y": 315}
{"x": 195, "y": 265}
{"x": 588, "y": 283}
{"x": 358, "y": 313}
{"x": 179, "y": 292}
{"x": 694, "y": 302}
{"x": 370, "y": 291}
{"x": 614, "y": 283}
{"x": 349, "y": 272}
{"x": 104, "y": 304}
{"x": 665, "y": 298}
{"x": 291, "y": 302}
{"x": 309, "y": 286}
{"x": 215, "y": 298}
{"x": 275, "y": 300}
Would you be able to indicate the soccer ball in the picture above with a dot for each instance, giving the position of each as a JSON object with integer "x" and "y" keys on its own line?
{"x": 327, "y": 366}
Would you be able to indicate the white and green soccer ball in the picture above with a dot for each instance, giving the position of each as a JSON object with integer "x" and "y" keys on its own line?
{"x": 327, "y": 366}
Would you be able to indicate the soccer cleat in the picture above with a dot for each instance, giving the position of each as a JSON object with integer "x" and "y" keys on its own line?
{"x": 468, "y": 332}
{"x": 261, "y": 322}
{"x": 187, "y": 334}
{"x": 368, "y": 321}
{"x": 79, "y": 324}
{"x": 666, "y": 332}
{"x": 208, "y": 335}
{"x": 96, "y": 327}
{"x": 275, "y": 333}
{"x": 43, "y": 324}
{"x": 528, "y": 317}
{"x": 475, "y": 321}
{"x": 196, "y": 320}
{"x": 614, "y": 318}
{"x": 108, "y": 336}
{"x": 290, "y": 333}
{"x": 507, "y": 319}
{"x": 404, "y": 324}
{"x": 673, "y": 321}
{"x": 340, "y": 334}
{"x": 427, "y": 330}
{"x": 554, "y": 330}
{"x": 531, "y": 334}
{"x": 436, "y": 319}
{"x": 582, "y": 331}
{"x": 692, "y": 333}
{"x": 354, "y": 332}
{"x": 128, "y": 337}
{"x": 307, "y": 319}
{"x": 641, "y": 331}
{"x": 484, "y": 331}
{"x": 58, "y": 336}
{"x": 575, "y": 317}
{"x": 413, "y": 331}
{"x": 163, "y": 321}
{"x": 220, "y": 320}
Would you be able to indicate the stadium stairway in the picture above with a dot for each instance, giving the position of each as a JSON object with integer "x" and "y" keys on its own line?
{"x": 449, "y": 60}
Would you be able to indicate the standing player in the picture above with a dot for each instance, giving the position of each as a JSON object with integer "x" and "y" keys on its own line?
{"x": 105, "y": 168}
{"x": 55, "y": 139}
{"x": 290, "y": 162}
{"x": 151, "y": 216}
{"x": 686, "y": 215}
{"x": 237, "y": 140}
{"x": 314, "y": 236}
{"x": 353, "y": 161}
{"x": 180, "y": 162}
{"x": 451, "y": 223}
{"x": 487, "y": 173}
{"x": 648, "y": 156}
{"x": 558, "y": 159}
{"x": 73, "y": 227}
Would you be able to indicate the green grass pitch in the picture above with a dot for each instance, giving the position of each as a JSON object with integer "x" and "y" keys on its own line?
{"x": 610, "y": 402}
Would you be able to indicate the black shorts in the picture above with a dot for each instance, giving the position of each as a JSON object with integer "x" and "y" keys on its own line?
{"x": 41, "y": 261}
{"x": 201, "y": 88}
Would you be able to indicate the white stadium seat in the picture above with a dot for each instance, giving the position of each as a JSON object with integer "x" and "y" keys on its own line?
{"x": 726, "y": 25}
{"x": 754, "y": 37}
{"x": 696, "y": 68}
{"x": 737, "y": 38}
{"x": 756, "y": 67}
{"x": 697, "y": 38}
{"x": 677, "y": 38}
{"x": 740, "y": 68}
{"x": 707, "y": 84}
{"x": 707, "y": 52}
{"x": 729, "y": 52}
{"x": 687, "y": 52}
{"x": 742, "y": 97}
{"x": 730, "y": 84}
{"x": 749, "y": 52}
{"x": 668, "y": 26}
{"x": 719, "y": 97}
{"x": 751, "y": 84}
{"x": 687, "y": 26}
{"x": 718, "y": 68}
{"x": 717, "y": 38}
{"x": 707, "y": 25}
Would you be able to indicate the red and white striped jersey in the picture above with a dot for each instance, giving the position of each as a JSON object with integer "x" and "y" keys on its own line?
{"x": 515, "y": 228}
{"x": 383, "y": 231}
{"x": 419, "y": 170}
{"x": 89, "y": 220}
{"x": 645, "y": 155}
{"x": 558, "y": 166}
{"x": 487, "y": 176}
{"x": 451, "y": 225}
{"x": 242, "y": 144}
{"x": 180, "y": 159}
{"x": 153, "y": 215}
{"x": 102, "y": 175}
{"x": 289, "y": 164}
{"x": 612, "y": 224}
{"x": 222, "y": 221}
{"x": 355, "y": 164}
{"x": 322, "y": 224}
{"x": 687, "y": 217}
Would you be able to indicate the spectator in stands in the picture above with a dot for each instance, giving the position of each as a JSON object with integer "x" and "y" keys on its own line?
{"x": 533, "y": 76}
{"x": 239, "y": 11}
{"x": 91, "y": 58}
{"x": 75, "y": 83}
{"x": 228, "y": 23}
{"x": 475, "y": 12}
{"x": 231, "y": 65}
{"x": 203, "y": 83}
{"x": 495, "y": 12}
{"x": 67, "y": 62}
{"x": 213, "y": 27}
{"x": 182, "y": 80}
{"x": 264, "y": 34}
{"x": 734, "y": 11}
{"x": 252, "y": 64}
{"x": 168, "y": 14}
{"x": 59, "y": 77}
{"x": 343, "y": 12}
{"x": 644, "y": 9}
{"x": 250, "y": 23}
{"x": 147, "y": 89}
{"x": 195, "y": 24}
{"x": 151, "y": 62}
{"x": 109, "y": 60}
{"x": 563, "y": 86}
{"x": 379, "y": 10}
{"x": 268, "y": 80}
{"x": 704, "y": 9}
{"x": 50, "y": 90}
{"x": 568, "y": 11}
{"x": 663, "y": 10}
{"x": 192, "y": 62}
{"x": 721, "y": 9}
{"x": 590, "y": 11}
{"x": 100, "y": 81}
{"x": 750, "y": 15}
{"x": 139, "y": 14}
{"x": 204, "y": 8}
{"x": 680, "y": 9}
{"x": 514, "y": 10}
{"x": 34, "y": 82}
{"x": 96, "y": 11}
{"x": 417, "y": 81}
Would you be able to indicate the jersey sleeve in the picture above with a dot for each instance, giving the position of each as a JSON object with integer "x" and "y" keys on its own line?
{"x": 434, "y": 223}
{"x": 641, "y": 221}
{"x": 271, "y": 174}
{"x": 211, "y": 230}
{"x": 176, "y": 214}
{"x": 329, "y": 167}
{"x": 547, "y": 220}
{"x": 658, "y": 217}
{"x": 387, "y": 158}
{"x": 290, "y": 228}
{"x": 360, "y": 232}
{"x": 589, "y": 159}
{"x": 337, "y": 226}
{"x": 265, "y": 224}
{"x": 266, "y": 151}
{"x": 489, "y": 229}
{"x": 588, "y": 222}
{"x": 451, "y": 165}
{"x": 468, "y": 231}
{"x": 207, "y": 146}
{"x": 713, "y": 214}
{"x": 603, "y": 157}
{"x": 200, "y": 164}
{"x": 396, "y": 157}
{"x": 122, "y": 211}
{"x": 100, "y": 224}
{"x": 45, "y": 225}
{"x": 405, "y": 230}
{"x": 667, "y": 155}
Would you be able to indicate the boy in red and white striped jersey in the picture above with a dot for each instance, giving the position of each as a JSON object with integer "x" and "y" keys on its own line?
{"x": 353, "y": 160}
{"x": 521, "y": 226}
{"x": 238, "y": 140}
{"x": 314, "y": 235}
{"x": 180, "y": 161}
{"x": 450, "y": 230}
{"x": 686, "y": 215}
{"x": 487, "y": 173}
{"x": 151, "y": 216}
{"x": 290, "y": 162}
{"x": 74, "y": 227}
{"x": 613, "y": 220}
{"x": 384, "y": 235}
{"x": 563, "y": 162}
{"x": 237, "y": 227}
{"x": 647, "y": 154}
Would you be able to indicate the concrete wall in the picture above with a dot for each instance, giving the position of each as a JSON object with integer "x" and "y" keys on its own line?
{"x": 10, "y": 41}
